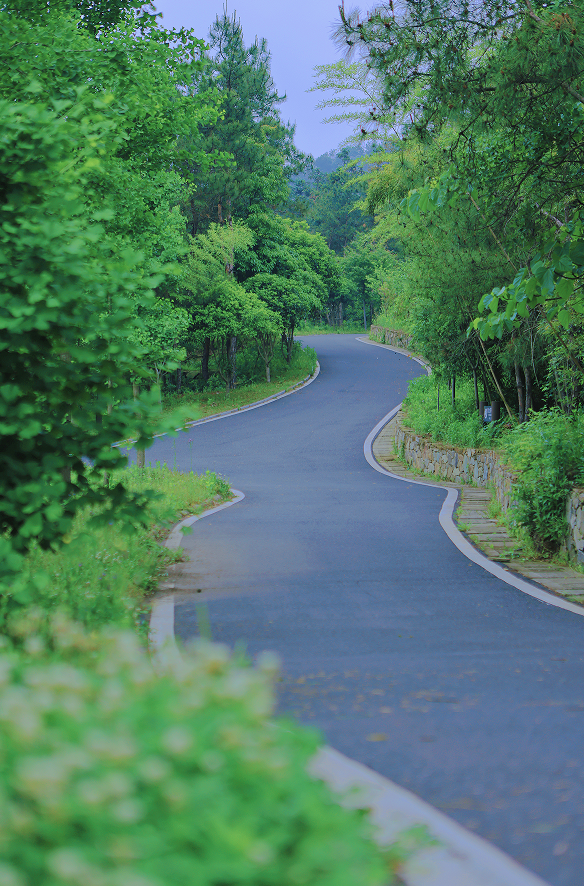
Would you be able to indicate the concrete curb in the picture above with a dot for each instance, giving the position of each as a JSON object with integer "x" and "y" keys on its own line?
{"x": 161, "y": 637}
{"x": 201, "y": 421}
{"x": 446, "y": 518}
{"x": 459, "y": 857}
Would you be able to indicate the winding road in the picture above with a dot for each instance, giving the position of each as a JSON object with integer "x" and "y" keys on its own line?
{"x": 407, "y": 656}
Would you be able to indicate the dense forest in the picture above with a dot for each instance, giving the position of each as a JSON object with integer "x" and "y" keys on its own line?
{"x": 161, "y": 231}
{"x": 473, "y": 117}
{"x": 154, "y": 239}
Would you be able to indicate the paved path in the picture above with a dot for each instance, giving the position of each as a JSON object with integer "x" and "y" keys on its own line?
{"x": 408, "y": 657}
{"x": 488, "y": 535}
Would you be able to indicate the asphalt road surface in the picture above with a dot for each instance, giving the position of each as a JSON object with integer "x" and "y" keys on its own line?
{"x": 407, "y": 657}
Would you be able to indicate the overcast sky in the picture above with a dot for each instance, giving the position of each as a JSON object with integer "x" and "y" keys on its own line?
{"x": 298, "y": 35}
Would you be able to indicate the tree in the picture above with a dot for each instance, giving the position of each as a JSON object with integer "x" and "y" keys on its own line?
{"x": 221, "y": 310}
{"x": 84, "y": 109}
{"x": 289, "y": 268}
{"x": 364, "y": 261}
{"x": 335, "y": 206}
{"x": 249, "y": 132}
{"x": 504, "y": 87}
{"x": 65, "y": 352}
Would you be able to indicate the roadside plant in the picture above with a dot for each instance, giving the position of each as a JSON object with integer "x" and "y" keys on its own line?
{"x": 115, "y": 773}
{"x": 547, "y": 454}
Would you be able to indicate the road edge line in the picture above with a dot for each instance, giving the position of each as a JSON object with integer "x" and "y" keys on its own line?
{"x": 389, "y": 804}
{"x": 459, "y": 857}
{"x": 446, "y": 520}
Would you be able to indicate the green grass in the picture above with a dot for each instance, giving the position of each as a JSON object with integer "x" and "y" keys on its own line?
{"x": 458, "y": 425}
{"x": 105, "y": 573}
{"x": 348, "y": 327}
{"x": 192, "y": 405}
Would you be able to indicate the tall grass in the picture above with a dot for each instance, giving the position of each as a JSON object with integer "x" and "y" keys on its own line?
{"x": 353, "y": 327}
{"x": 103, "y": 574}
{"x": 429, "y": 410}
{"x": 395, "y": 319}
{"x": 192, "y": 405}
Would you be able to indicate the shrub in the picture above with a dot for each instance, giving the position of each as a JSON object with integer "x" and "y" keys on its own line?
{"x": 101, "y": 575}
{"x": 115, "y": 775}
{"x": 459, "y": 425}
{"x": 548, "y": 455}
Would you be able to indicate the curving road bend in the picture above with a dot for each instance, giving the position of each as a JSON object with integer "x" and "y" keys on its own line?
{"x": 407, "y": 656}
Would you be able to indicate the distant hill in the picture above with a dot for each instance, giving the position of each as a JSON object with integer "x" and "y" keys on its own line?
{"x": 331, "y": 160}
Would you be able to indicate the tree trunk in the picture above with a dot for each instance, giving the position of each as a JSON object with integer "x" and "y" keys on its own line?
{"x": 106, "y": 476}
{"x": 232, "y": 357}
{"x": 520, "y": 393}
{"x": 205, "y": 360}
{"x": 476, "y": 386}
{"x": 268, "y": 379}
{"x": 528, "y": 392}
{"x": 140, "y": 453}
{"x": 289, "y": 343}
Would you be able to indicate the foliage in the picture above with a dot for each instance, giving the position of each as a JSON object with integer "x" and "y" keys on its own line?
{"x": 101, "y": 575}
{"x": 547, "y": 454}
{"x": 497, "y": 93}
{"x": 429, "y": 410}
{"x": 67, "y": 299}
{"x": 392, "y": 285}
{"x": 290, "y": 269}
{"x": 218, "y": 305}
{"x": 490, "y": 72}
{"x": 88, "y": 217}
{"x": 259, "y": 147}
{"x": 116, "y": 772}
{"x": 357, "y": 97}
{"x": 252, "y": 386}
{"x": 334, "y": 208}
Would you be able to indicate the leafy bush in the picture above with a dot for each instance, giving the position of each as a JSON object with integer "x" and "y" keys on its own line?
{"x": 548, "y": 454}
{"x": 460, "y": 425}
{"x": 101, "y": 575}
{"x": 66, "y": 351}
{"x": 115, "y": 775}
{"x": 252, "y": 385}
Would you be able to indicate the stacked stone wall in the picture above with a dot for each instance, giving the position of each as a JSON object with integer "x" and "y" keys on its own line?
{"x": 481, "y": 467}
{"x": 575, "y": 519}
{"x": 395, "y": 337}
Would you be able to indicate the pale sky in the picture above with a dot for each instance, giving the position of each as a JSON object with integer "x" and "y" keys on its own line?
{"x": 298, "y": 35}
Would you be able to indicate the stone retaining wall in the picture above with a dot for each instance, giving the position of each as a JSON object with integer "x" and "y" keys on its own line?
{"x": 394, "y": 337}
{"x": 575, "y": 518}
{"x": 478, "y": 466}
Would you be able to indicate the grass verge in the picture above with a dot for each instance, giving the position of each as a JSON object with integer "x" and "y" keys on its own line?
{"x": 346, "y": 328}
{"x": 193, "y": 405}
{"x": 428, "y": 409}
{"x": 104, "y": 574}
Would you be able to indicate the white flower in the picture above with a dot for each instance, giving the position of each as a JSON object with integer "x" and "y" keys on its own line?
{"x": 43, "y": 778}
{"x": 9, "y": 876}
{"x": 177, "y": 740}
